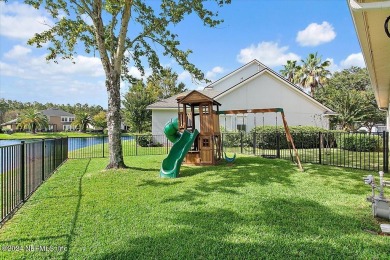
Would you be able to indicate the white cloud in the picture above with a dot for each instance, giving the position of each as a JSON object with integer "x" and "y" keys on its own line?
{"x": 17, "y": 51}
{"x": 315, "y": 34}
{"x": 355, "y": 59}
{"x": 214, "y": 72}
{"x": 268, "y": 53}
{"x": 333, "y": 67}
{"x": 21, "y": 21}
{"x": 184, "y": 76}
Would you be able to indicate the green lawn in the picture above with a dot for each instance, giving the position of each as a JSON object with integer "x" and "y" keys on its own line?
{"x": 253, "y": 209}
{"x": 329, "y": 156}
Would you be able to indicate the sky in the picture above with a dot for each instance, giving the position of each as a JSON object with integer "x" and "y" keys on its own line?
{"x": 270, "y": 31}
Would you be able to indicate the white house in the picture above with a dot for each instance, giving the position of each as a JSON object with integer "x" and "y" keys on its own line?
{"x": 252, "y": 86}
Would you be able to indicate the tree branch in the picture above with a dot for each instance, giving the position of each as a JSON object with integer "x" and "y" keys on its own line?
{"x": 122, "y": 34}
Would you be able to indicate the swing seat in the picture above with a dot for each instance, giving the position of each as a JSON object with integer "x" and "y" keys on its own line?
{"x": 230, "y": 160}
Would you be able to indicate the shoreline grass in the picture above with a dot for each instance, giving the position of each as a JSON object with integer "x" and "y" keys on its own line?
{"x": 253, "y": 209}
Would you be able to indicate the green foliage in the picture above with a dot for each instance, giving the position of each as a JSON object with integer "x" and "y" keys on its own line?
{"x": 100, "y": 120}
{"x": 349, "y": 95}
{"x": 303, "y": 136}
{"x": 32, "y": 119}
{"x": 147, "y": 141}
{"x": 233, "y": 139}
{"x": 109, "y": 36}
{"x": 360, "y": 142}
{"x": 135, "y": 113}
{"x": 82, "y": 121}
{"x": 311, "y": 74}
{"x": 164, "y": 84}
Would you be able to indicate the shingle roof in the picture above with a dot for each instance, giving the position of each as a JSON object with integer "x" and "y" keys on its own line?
{"x": 171, "y": 102}
{"x": 56, "y": 112}
{"x": 13, "y": 121}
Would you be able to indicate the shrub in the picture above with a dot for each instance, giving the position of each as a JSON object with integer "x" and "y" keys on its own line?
{"x": 360, "y": 142}
{"x": 232, "y": 139}
{"x": 147, "y": 141}
{"x": 303, "y": 136}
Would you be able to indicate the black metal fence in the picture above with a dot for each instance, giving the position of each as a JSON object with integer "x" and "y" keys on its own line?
{"x": 24, "y": 167}
{"x": 97, "y": 147}
{"x": 352, "y": 150}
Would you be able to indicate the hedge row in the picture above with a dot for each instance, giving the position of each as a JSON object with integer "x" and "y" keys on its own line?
{"x": 304, "y": 137}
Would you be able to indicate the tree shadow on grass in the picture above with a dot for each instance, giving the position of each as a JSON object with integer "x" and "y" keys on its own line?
{"x": 347, "y": 180}
{"x": 69, "y": 236}
{"x": 280, "y": 229}
{"x": 228, "y": 180}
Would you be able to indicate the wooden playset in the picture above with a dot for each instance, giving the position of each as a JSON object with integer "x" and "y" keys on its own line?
{"x": 196, "y": 107}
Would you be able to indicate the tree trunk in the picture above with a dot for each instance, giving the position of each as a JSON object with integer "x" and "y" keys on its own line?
{"x": 114, "y": 123}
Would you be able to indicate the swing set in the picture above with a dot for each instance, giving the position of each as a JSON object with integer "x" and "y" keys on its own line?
{"x": 289, "y": 138}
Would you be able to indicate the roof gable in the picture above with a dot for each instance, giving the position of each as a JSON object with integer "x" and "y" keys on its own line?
{"x": 237, "y": 75}
{"x": 195, "y": 97}
{"x": 276, "y": 76}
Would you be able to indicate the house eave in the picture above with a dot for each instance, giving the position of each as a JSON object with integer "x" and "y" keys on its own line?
{"x": 372, "y": 25}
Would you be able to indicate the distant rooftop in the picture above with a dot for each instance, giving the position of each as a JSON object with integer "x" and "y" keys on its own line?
{"x": 56, "y": 112}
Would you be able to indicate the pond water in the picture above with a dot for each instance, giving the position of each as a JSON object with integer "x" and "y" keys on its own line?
{"x": 74, "y": 143}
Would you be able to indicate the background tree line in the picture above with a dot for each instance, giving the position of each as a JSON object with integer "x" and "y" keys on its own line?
{"x": 347, "y": 92}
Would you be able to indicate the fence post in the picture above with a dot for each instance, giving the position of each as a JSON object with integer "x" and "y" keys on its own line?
{"x": 22, "y": 170}
{"x": 222, "y": 147}
{"x": 320, "y": 148}
{"x": 167, "y": 143}
{"x": 103, "y": 145}
{"x": 385, "y": 151}
{"x": 242, "y": 143}
{"x": 62, "y": 150}
{"x": 277, "y": 145}
{"x": 136, "y": 144}
{"x": 55, "y": 153}
{"x": 254, "y": 143}
{"x": 43, "y": 159}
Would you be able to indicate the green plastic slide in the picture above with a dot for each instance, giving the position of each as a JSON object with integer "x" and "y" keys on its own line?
{"x": 170, "y": 166}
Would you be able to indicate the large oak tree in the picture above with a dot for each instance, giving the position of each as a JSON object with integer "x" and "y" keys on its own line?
{"x": 122, "y": 33}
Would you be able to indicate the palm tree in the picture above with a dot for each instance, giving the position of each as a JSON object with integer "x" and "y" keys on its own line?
{"x": 31, "y": 119}
{"x": 82, "y": 120}
{"x": 291, "y": 71}
{"x": 313, "y": 72}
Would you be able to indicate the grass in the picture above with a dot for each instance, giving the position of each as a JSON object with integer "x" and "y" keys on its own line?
{"x": 253, "y": 209}
{"x": 329, "y": 156}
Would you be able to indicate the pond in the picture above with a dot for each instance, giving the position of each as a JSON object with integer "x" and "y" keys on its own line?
{"x": 74, "y": 143}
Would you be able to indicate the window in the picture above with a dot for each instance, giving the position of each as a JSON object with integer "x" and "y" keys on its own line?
{"x": 205, "y": 109}
{"x": 241, "y": 127}
{"x": 67, "y": 119}
{"x": 205, "y": 142}
{"x": 68, "y": 128}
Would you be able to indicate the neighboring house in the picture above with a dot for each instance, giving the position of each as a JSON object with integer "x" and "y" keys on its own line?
{"x": 252, "y": 86}
{"x": 10, "y": 125}
{"x": 59, "y": 120}
{"x": 372, "y": 24}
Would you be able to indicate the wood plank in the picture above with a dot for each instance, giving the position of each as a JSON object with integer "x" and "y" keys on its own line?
{"x": 247, "y": 111}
